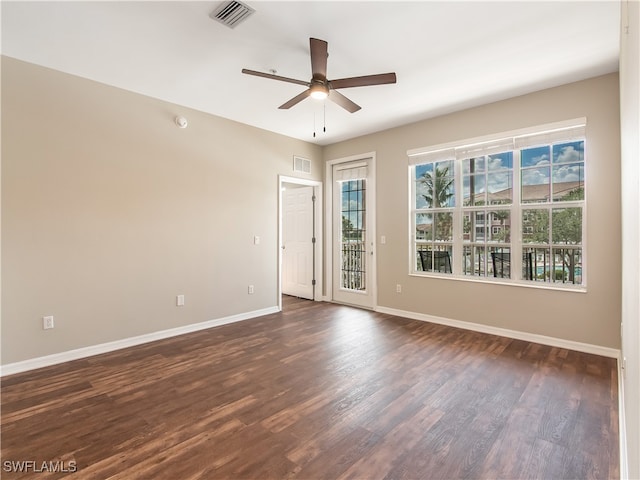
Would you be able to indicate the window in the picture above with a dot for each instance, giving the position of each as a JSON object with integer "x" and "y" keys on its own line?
{"x": 353, "y": 249}
{"x": 433, "y": 220}
{"x": 477, "y": 204}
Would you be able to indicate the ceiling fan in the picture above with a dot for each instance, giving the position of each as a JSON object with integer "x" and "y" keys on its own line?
{"x": 319, "y": 87}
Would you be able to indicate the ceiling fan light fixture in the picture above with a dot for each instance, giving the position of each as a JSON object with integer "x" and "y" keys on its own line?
{"x": 319, "y": 92}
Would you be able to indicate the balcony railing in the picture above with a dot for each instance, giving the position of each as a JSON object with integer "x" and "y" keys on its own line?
{"x": 354, "y": 259}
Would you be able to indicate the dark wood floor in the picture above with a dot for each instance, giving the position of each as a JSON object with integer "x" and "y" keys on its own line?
{"x": 318, "y": 391}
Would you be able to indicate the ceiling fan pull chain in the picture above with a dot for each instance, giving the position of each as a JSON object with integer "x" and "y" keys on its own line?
{"x": 324, "y": 119}
{"x": 314, "y": 124}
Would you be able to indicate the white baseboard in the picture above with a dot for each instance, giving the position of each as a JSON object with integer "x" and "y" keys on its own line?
{"x": 504, "y": 332}
{"x": 33, "y": 363}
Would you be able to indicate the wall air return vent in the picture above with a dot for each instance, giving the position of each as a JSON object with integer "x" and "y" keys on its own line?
{"x": 301, "y": 165}
{"x": 232, "y": 13}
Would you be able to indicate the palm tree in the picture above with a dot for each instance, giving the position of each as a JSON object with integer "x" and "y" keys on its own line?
{"x": 439, "y": 187}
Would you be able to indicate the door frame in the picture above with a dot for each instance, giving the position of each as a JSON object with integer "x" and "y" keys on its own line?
{"x": 318, "y": 249}
{"x": 370, "y": 158}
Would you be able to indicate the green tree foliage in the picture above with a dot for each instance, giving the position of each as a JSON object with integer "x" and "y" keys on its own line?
{"x": 504, "y": 235}
{"x": 349, "y": 232}
{"x": 439, "y": 186}
{"x": 566, "y": 228}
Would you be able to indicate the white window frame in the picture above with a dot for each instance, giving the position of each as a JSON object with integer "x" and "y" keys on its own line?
{"x": 565, "y": 131}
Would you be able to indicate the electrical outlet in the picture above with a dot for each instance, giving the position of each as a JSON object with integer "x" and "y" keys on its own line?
{"x": 251, "y": 290}
{"x": 398, "y": 288}
{"x": 256, "y": 240}
{"x": 180, "y": 300}
{"x": 383, "y": 240}
{"x": 47, "y": 322}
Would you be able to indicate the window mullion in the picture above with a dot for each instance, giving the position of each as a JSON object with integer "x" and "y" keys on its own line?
{"x": 457, "y": 219}
{"x": 413, "y": 244}
{"x": 516, "y": 219}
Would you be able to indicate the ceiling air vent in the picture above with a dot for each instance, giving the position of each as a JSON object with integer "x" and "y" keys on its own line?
{"x": 302, "y": 165}
{"x": 232, "y": 13}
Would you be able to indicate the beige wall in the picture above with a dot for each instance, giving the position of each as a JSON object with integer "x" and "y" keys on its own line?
{"x": 109, "y": 211}
{"x": 630, "y": 126}
{"x": 592, "y": 318}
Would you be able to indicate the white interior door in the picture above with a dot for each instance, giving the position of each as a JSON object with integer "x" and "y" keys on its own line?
{"x": 297, "y": 242}
{"x": 353, "y": 261}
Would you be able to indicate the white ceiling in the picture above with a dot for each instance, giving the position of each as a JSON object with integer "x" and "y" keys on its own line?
{"x": 448, "y": 55}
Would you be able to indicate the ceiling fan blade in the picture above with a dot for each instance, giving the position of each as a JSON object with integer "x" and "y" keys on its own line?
{"x": 295, "y": 100}
{"x": 364, "y": 81}
{"x": 275, "y": 77}
{"x": 319, "y": 57}
{"x": 343, "y": 101}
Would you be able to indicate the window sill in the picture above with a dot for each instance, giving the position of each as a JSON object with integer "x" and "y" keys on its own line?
{"x": 497, "y": 281}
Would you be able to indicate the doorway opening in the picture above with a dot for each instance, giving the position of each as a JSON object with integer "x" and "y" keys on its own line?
{"x": 300, "y": 253}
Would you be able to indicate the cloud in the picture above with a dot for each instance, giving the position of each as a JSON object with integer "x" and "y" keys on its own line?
{"x": 535, "y": 176}
{"x": 568, "y": 173}
{"x": 568, "y": 154}
{"x": 498, "y": 182}
{"x": 541, "y": 160}
{"x": 496, "y": 164}
{"x": 536, "y": 161}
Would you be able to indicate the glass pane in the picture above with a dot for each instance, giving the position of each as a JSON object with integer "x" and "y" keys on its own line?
{"x": 535, "y": 226}
{"x": 353, "y": 249}
{"x": 500, "y": 188}
{"x": 434, "y": 258}
{"x": 347, "y": 227}
{"x": 467, "y": 260}
{"x": 568, "y": 152}
{"x": 354, "y": 228}
{"x": 567, "y": 226}
{"x": 478, "y": 261}
{"x": 345, "y": 197}
{"x": 473, "y": 165}
{"x": 420, "y": 248}
{"x": 424, "y": 226}
{"x": 353, "y": 265}
{"x": 500, "y": 161}
{"x": 474, "y": 190}
{"x": 422, "y": 173}
{"x": 499, "y": 226}
{"x": 473, "y": 226}
{"x": 466, "y": 226}
{"x": 499, "y": 265}
{"x": 535, "y": 157}
{"x": 480, "y": 227}
{"x": 360, "y": 223}
{"x": 535, "y": 185}
{"x": 354, "y": 200}
{"x": 435, "y": 186}
{"x": 568, "y": 182}
{"x": 444, "y": 227}
{"x": 567, "y": 265}
{"x": 541, "y": 265}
